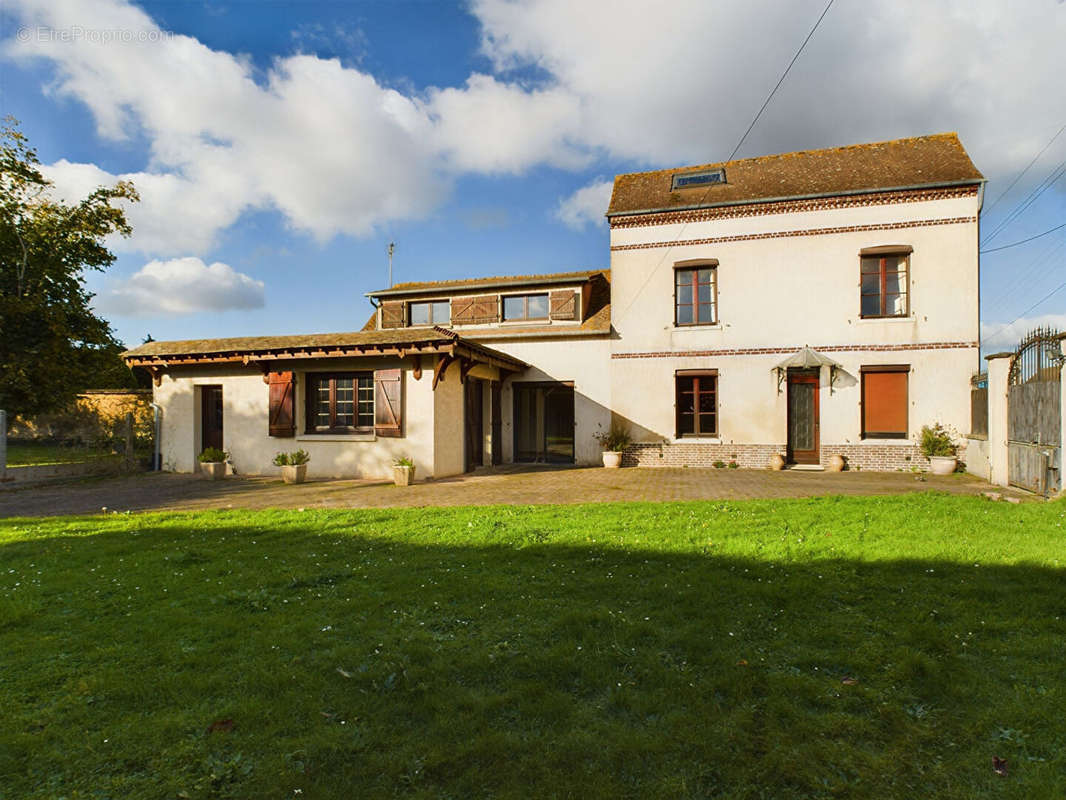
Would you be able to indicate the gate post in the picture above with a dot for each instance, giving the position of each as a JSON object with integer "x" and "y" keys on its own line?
{"x": 1062, "y": 413}
{"x": 998, "y": 375}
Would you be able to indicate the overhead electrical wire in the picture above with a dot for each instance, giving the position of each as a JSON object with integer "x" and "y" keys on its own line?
{"x": 1024, "y": 241}
{"x": 758, "y": 114}
{"x": 1028, "y": 201}
{"x": 1022, "y": 174}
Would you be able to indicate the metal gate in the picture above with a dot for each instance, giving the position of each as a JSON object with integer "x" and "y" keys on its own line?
{"x": 1034, "y": 423}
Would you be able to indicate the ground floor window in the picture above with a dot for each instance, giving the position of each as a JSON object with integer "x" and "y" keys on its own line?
{"x": 544, "y": 422}
{"x": 697, "y": 403}
{"x": 341, "y": 402}
{"x": 884, "y": 401}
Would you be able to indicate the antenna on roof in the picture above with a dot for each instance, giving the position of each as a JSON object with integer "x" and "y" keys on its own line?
{"x": 392, "y": 247}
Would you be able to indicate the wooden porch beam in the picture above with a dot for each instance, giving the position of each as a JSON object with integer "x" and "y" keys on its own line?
{"x": 438, "y": 371}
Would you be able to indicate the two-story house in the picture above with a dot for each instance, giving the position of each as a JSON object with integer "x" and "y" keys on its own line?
{"x": 810, "y": 304}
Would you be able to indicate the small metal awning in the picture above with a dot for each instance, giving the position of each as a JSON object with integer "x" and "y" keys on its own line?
{"x": 806, "y": 358}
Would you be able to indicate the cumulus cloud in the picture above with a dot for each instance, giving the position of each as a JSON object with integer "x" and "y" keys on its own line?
{"x": 998, "y": 336}
{"x": 337, "y": 152}
{"x": 183, "y": 286}
{"x": 585, "y": 206}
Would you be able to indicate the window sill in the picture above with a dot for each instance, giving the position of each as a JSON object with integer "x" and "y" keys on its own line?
{"x": 900, "y": 440}
{"x": 698, "y": 440}
{"x": 711, "y": 326}
{"x": 337, "y": 437}
{"x": 875, "y": 320}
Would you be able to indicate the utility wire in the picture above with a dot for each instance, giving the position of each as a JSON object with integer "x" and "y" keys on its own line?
{"x": 706, "y": 194}
{"x": 1033, "y": 273}
{"x": 1029, "y": 199}
{"x": 1023, "y": 241}
{"x": 1038, "y": 303}
{"x": 780, "y": 80}
{"x": 1022, "y": 173}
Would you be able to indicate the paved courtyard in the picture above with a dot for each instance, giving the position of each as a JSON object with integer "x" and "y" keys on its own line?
{"x": 519, "y": 486}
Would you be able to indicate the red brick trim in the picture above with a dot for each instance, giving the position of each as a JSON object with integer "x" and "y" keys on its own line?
{"x": 789, "y": 206}
{"x": 770, "y": 351}
{"x": 748, "y": 237}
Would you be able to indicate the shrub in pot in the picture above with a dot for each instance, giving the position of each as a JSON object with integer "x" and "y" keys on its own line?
{"x": 939, "y": 447}
{"x": 613, "y": 442}
{"x": 293, "y": 465}
{"x": 213, "y": 463}
{"x": 403, "y": 471}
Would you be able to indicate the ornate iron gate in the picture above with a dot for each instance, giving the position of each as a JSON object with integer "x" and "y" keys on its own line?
{"x": 1034, "y": 424}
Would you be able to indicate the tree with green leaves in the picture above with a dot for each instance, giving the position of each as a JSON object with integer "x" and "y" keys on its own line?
{"x": 52, "y": 345}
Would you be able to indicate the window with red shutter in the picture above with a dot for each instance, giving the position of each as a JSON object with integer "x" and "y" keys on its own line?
{"x": 884, "y": 402}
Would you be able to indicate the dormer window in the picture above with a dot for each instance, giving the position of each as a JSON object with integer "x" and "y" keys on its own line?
{"x": 525, "y": 307}
{"x": 436, "y": 312}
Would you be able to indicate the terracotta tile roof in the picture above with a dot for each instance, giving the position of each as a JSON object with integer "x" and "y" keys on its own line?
{"x": 248, "y": 344}
{"x": 936, "y": 160}
{"x": 415, "y": 287}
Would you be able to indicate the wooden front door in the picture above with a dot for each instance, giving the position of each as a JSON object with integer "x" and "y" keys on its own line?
{"x": 210, "y": 417}
{"x": 474, "y": 424}
{"x": 803, "y": 418}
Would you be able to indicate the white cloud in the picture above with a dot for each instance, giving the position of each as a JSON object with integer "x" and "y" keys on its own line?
{"x": 1001, "y": 337}
{"x": 336, "y": 152}
{"x": 586, "y": 206}
{"x": 183, "y": 286}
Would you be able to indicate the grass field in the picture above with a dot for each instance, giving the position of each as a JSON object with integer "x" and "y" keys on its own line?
{"x": 26, "y": 454}
{"x": 860, "y": 647}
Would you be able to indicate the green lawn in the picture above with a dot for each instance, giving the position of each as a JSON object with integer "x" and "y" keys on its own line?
{"x": 860, "y": 647}
{"x": 25, "y": 454}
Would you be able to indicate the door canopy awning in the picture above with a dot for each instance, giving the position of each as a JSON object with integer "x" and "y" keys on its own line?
{"x": 806, "y": 358}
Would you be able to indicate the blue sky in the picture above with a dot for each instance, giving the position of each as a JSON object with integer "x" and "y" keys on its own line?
{"x": 279, "y": 146}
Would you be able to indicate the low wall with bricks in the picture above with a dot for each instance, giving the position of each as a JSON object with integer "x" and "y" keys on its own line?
{"x": 873, "y": 457}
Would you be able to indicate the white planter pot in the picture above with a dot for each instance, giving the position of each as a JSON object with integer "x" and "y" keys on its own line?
{"x": 294, "y": 473}
{"x": 612, "y": 459}
{"x": 213, "y": 470}
{"x": 942, "y": 465}
{"x": 403, "y": 476}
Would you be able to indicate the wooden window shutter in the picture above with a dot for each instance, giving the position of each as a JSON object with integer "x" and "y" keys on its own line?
{"x": 388, "y": 402}
{"x": 282, "y": 416}
{"x": 392, "y": 315}
{"x": 563, "y": 304}
{"x": 884, "y": 403}
{"x": 462, "y": 309}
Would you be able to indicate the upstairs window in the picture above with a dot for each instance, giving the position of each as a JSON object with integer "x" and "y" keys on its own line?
{"x": 429, "y": 313}
{"x": 340, "y": 402}
{"x": 525, "y": 306}
{"x": 697, "y": 403}
{"x": 884, "y": 282}
{"x": 696, "y": 295}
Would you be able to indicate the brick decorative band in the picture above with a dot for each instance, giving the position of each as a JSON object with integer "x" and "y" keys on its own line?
{"x": 789, "y": 206}
{"x": 904, "y": 456}
{"x": 772, "y": 351}
{"x": 750, "y": 237}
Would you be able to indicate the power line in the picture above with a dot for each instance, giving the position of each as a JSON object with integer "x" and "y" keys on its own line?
{"x": 1024, "y": 280}
{"x": 1038, "y": 303}
{"x": 1023, "y": 241}
{"x": 1022, "y": 173}
{"x": 1028, "y": 201}
{"x": 706, "y": 194}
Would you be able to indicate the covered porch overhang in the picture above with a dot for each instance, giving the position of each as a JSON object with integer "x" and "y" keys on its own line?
{"x": 440, "y": 347}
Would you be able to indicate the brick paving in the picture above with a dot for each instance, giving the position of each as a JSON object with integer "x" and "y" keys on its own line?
{"x": 517, "y": 486}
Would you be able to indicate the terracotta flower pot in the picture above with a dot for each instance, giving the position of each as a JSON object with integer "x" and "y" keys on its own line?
{"x": 612, "y": 459}
{"x": 776, "y": 462}
{"x": 294, "y": 473}
{"x": 403, "y": 476}
{"x": 213, "y": 470}
{"x": 942, "y": 465}
{"x": 835, "y": 463}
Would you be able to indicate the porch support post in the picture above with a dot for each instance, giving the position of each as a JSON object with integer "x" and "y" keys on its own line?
{"x": 998, "y": 371}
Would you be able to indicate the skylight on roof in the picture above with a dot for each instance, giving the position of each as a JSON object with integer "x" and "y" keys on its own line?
{"x": 687, "y": 180}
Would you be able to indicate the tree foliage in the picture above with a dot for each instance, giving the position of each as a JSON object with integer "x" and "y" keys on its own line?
{"x": 52, "y": 344}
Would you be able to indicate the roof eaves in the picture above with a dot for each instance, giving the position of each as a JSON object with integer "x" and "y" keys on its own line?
{"x": 783, "y": 198}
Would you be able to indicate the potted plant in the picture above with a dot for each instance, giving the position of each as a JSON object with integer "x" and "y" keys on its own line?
{"x": 939, "y": 447}
{"x": 213, "y": 463}
{"x": 293, "y": 465}
{"x": 613, "y": 443}
{"x": 403, "y": 471}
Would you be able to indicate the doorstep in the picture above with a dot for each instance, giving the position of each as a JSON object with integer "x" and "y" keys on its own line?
{"x": 806, "y": 467}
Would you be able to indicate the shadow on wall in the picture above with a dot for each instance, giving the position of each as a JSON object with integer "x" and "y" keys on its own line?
{"x": 619, "y": 670}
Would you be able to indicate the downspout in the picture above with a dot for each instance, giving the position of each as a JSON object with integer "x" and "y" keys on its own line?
{"x": 157, "y": 459}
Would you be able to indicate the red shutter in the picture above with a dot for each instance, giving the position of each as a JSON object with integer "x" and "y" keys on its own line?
{"x": 388, "y": 402}
{"x": 884, "y": 403}
{"x": 282, "y": 418}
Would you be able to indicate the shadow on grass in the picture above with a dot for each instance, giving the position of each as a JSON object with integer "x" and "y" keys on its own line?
{"x": 527, "y": 663}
